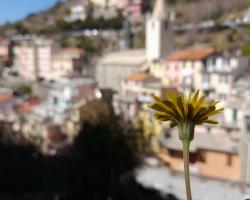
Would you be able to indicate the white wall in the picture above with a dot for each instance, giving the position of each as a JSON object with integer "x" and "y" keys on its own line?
{"x": 156, "y": 39}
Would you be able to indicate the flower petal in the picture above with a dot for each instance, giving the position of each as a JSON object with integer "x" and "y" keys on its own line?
{"x": 175, "y": 109}
{"x": 215, "y": 112}
{"x": 209, "y": 121}
{"x": 162, "y": 117}
{"x": 190, "y": 111}
{"x": 172, "y": 124}
{"x": 196, "y": 94}
{"x": 204, "y": 113}
{"x": 181, "y": 106}
{"x": 215, "y": 103}
{"x": 159, "y": 107}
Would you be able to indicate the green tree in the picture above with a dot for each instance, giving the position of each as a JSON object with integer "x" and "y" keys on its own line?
{"x": 20, "y": 28}
{"x": 23, "y": 90}
{"x": 245, "y": 49}
{"x": 86, "y": 44}
{"x": 103, "y": 150}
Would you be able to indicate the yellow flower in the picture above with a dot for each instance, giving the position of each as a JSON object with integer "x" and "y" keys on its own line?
{"x": 183, "y": 112}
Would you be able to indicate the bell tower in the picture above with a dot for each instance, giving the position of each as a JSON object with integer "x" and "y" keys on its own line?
{"x": 158, "y": 32}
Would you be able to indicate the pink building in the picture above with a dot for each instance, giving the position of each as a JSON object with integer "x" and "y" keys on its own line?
{"x": 67, "y": 60}
{"x": 135, "y": 8}
{"x": 33, "y": 59}
{"x": 185, "y": 68}
{"x": 4, "y": 50}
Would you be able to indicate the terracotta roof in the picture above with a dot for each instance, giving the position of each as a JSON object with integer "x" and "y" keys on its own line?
{"x": 5, "y": 97}
{"x": 193, "y": 54}
{"x": 29, "y": 104}
{"x": 3, "y": 38}
{"x": 140, "y": 76}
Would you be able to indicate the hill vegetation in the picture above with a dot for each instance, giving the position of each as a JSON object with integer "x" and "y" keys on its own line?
{"x": 187, "y": 11}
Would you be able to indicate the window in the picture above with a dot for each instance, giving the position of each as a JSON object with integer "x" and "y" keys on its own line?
{"x": 209, "y": 130}
{"x": 222, "y": 96}
{"x": 55, "y": 100}
{"x": 235, "y": 113}
{"x": 166, "y": 25}
{"x": 201, "y": 156}
{"x": 206, "y": 78}
{"x": 248, "y": 127}
{"x": 153, "y": 25}
{"x": 229, "y": 160}
{"x": 213, "y": 61}
{"x": 223, "y": 79}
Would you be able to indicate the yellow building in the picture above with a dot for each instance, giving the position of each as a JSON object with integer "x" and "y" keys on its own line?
{"x": 151, "y": 129}
{"x": 101, "y": 3}
{"x": 158, "y": 69}
{"x": 205, "y": 150}
{"x": 140, "y": 87}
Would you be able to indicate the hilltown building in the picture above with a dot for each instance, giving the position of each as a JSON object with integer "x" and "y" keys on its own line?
{"x": 50, "y": 123}
{"x": 42, "y": 58}
{"x": 77, "y": 12}
{"x": 211, "y": 154}
{"x": 33, "y": 59}
{"x": 113, "y": 67}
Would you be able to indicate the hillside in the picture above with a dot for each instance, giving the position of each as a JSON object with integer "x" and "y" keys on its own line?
{"x": 200, "y": 10}
{"x": 230, "y": 39}
{"x": 187, "y": 11}
{"x": 36, "y": 22}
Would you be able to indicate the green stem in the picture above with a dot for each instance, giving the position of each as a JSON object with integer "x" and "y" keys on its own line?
{"x": 186, "y": 144}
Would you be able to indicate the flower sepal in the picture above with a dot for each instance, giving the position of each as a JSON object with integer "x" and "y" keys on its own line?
{"x": 186, "y": 131}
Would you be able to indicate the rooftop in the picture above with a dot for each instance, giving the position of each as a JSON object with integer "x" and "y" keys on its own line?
{"x": 213, "y": 142}
{"x": 140, "y": 76}
{"x": 72, "y": 50}
{"x": 74, "y": 80}
{"x": 29, "y": 104}
{"x": 191, "y": 55}
{"x": 126, "y": 58}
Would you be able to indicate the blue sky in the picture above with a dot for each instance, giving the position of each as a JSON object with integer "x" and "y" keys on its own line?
{"x": 12, "y": 10}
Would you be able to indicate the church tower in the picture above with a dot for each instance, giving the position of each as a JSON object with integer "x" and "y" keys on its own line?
{"x": 158, "y": 32}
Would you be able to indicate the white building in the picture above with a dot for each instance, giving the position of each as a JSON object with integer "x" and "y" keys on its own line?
{"x": 67, "y": 94}
{"x": 245, "y": 149}
{"x": 238, "y": 103}
{"x": 204, "y": 69}
{"x": 246, "y": 17}
{"x": 112, "y": 68}
{"x": 221, "y": 73}
{"x": 77, "y": 12}
{"x": 158, "y": 32}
